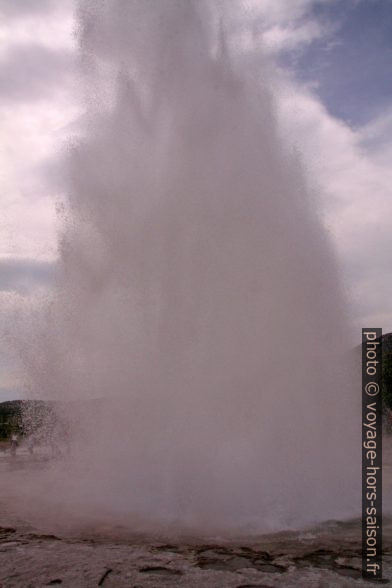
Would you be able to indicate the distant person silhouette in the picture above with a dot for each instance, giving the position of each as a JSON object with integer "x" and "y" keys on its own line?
{"x": 30, "y": 445}
{"x": 14, "y": 443}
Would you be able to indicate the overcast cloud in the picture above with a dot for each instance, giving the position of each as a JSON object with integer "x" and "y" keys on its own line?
{"x": 33, "y": 72}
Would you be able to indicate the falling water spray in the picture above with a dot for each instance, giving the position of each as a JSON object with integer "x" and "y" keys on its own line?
{"x": 197, "y": 336}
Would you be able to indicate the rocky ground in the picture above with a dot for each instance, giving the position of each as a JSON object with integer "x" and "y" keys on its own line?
{"x": 328, "y": 556}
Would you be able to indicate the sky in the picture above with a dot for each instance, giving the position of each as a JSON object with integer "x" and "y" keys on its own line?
{"x": 332, "y": 62}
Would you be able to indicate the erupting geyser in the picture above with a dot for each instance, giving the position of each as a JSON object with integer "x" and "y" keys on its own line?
{"x": 197, "y": 292}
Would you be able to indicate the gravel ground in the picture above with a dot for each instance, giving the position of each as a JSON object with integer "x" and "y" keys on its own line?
{"x": 326, "y": 557}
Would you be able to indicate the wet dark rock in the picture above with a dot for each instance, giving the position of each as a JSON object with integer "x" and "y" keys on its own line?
{"x": 42, "y": 537}
{"x": 254, "y": 586}
{"x": 104, "y": 576}
{"x": 168, "y": 547}
{"x": 5, "y": 532}
{"x": 160, "y": 570}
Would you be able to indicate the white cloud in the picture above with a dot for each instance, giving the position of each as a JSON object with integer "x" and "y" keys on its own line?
{"x": 280, "y": 12}
{"x": 47, "y": 22}
{"x": 355, "y": 183}
{"x": 32, "y": 135}
{"x": 376, "y": 137}
{"x": 36, "y": 105}
{"x": 279, "y": 38}
{"x": 278, "y": 25}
